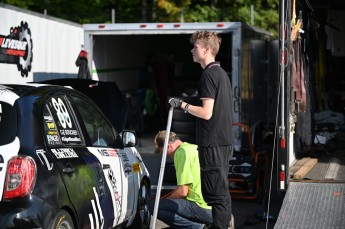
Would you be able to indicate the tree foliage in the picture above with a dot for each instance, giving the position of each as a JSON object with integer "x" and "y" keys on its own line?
{"x": 99, "y": 11}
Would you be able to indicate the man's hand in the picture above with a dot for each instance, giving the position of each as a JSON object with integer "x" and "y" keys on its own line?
{"x": 175, "y": 102}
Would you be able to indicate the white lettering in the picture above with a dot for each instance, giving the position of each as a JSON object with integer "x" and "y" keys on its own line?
{"x": 14, "y": 44}
{"x": 41, "y": 153}
{"x": 69, "y": 139}
{"x": 64, "y": 153}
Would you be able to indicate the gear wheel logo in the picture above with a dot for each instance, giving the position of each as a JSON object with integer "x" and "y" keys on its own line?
{"x": 24, "y": 65}
{"x": 16, "y": 48}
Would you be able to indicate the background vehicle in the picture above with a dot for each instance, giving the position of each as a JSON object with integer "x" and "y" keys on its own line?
{"x": 160, "y": 62}
{"x": 311, "y": 114}
{"x": 63, "y": 163}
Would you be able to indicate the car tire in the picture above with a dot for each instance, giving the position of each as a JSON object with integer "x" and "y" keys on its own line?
{"x": 63, "y": 220}
{"x": 143, "y": 216}
{"x": 180, "y": 115}
{"x": 183, "y": 127}
{"x": 184, "y": 124}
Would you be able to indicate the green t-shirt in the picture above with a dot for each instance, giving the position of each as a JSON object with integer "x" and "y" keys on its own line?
{"x": 187, "y": 167}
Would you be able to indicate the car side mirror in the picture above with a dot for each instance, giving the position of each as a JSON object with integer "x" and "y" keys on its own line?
{"x": 128, "y": 138}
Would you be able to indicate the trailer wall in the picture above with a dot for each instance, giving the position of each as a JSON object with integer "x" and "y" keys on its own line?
{"x": 52, "y": 46}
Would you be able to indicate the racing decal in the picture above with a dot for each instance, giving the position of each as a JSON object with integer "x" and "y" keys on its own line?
{"x": 127, "y": 168}
{"x": 67, "y": 132}
{"x": 43, "y": 158}
{"x": 116, "y": 195}
{"x": 62, "y": 113}
{"x": 96, "y": 219}
{"x": 64, "y": 153}
{"x": 136, "y": 167}
{"x": 124, "y": 156}
{"x": 53, "y": 139}
{"x": 16, "y": 48}
{"x": 108, "y": 152}
{"x": 115, "y": 178}
{"x": 52, "y": 134}
{"x": 51, "y": 125}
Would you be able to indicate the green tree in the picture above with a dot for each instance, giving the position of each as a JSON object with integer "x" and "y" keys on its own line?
{"x": 99, "y": 11}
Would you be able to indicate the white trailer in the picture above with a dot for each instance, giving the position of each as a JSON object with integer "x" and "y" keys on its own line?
{"x": 123, "y": 52}
{"x": 36, "y": 47}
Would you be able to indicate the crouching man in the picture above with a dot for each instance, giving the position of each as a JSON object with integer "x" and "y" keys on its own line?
{"x": 185, "y": 206}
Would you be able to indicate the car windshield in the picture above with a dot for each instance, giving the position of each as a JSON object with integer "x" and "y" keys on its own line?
{"x": 8, "y": 123}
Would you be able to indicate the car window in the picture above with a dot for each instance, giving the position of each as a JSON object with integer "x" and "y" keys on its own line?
{"x": 8, "y": 123}
{"x": 60, "y": 125}
{"x": 99, "y": 130}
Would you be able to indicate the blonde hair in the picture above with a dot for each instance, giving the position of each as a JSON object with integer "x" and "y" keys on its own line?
{"x": 207, "y": 38}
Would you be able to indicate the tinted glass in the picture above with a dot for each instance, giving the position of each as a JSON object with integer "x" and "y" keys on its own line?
{"x": 60, "y": 125}
{"x": 8, "y": 123}
{"x": 99, "y": 130}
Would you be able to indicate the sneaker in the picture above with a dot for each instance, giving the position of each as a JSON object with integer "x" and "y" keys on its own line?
{"x": 232, "y": 222}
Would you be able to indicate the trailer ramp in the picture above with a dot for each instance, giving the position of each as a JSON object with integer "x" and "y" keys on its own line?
{"x": 313, "y": 205}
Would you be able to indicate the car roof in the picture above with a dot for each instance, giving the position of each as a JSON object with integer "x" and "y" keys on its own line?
{"x": 24, "y": 89}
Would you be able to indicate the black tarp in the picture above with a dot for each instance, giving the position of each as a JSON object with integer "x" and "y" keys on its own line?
{"x": 106, "y": 95}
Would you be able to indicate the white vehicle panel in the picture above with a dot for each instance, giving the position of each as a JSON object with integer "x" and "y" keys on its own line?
{"x": 116, "y": 169}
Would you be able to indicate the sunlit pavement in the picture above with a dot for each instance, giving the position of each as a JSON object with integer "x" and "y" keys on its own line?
{"x": 247, "y": 213}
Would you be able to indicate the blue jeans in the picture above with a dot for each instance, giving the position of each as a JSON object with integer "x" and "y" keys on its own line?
{"x": 182, "y": 213}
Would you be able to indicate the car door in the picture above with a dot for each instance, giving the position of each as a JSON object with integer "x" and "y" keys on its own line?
{"x": 81, "y": 170}
{"x": 105, "y": 145}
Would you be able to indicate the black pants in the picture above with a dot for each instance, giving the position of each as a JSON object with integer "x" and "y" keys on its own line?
{"x": 214, "y": 164}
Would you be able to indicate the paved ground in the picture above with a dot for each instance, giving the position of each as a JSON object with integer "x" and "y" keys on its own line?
{"x": 247, "y": 213}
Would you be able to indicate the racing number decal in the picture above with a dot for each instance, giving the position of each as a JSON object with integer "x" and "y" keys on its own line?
{"x": 62, "y": 113}
{"x": 65, "y": 124}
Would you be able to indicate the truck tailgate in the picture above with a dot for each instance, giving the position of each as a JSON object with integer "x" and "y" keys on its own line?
{"x": 313, "y": 205}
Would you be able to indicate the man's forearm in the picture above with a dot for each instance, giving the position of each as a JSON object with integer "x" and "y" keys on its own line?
{"x": 179, "y": 193}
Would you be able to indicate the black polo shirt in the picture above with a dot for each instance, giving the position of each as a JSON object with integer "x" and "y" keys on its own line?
{"x": 215, "y": 84}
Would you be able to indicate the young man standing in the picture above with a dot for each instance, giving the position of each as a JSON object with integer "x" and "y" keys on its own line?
{"x": 184, "y": 207}
{"x": 213, "y": 126}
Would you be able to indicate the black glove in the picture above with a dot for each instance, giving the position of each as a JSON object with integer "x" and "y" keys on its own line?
{"x": 175, "y": 102}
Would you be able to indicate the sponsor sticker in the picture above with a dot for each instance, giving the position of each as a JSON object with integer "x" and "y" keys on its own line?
{"x": 64, "y": 153}
{"x": 123, "y": 156}
{"x": 53, "y": 139}
{"x": 51, "y": 125}
{"x": 108, "y": 152}
{"x": 43, "y": 158}
{"x": 127, "y": 168}
{"x": 136, "y": 167}
{"x": 16, "y": 48}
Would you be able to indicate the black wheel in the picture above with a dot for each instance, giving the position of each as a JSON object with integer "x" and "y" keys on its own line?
{"x": 143, "y": 216}
{"x": 180, "y": 127}
{"x": 179, "y": 115}
{"x": 63, "y": 220}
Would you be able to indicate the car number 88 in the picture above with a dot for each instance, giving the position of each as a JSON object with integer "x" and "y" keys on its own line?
{"x": 62, "y": 113}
